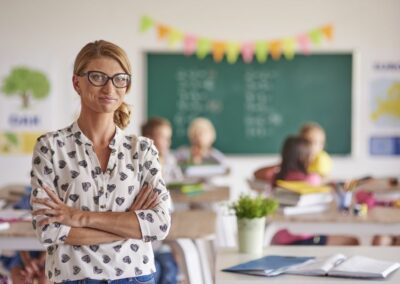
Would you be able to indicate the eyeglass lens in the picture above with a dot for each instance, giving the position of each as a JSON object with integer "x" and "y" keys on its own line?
{"x": 97, "y": 78}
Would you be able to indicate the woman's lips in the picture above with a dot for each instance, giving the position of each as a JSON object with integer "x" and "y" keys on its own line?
{"x": 108, "y": 99}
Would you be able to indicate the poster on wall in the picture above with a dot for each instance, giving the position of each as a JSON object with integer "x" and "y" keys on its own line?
{"x": 384, "y": 112}
{"x": 26, "y": 105}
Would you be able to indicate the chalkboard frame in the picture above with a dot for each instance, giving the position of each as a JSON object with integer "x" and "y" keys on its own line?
{"x": 354, "y": 108}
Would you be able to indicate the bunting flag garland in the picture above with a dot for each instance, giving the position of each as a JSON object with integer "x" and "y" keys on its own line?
{"x": 260, "y": 49}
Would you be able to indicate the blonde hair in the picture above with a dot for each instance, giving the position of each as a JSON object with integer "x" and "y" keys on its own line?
{"x": 99, "y": 49}
{"x": 154, "y": 123}
{"x": 306, "y": 128}
{"x": 201, "y": 124}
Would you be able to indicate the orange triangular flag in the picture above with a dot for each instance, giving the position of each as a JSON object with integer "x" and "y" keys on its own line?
{"x": 162, "y": 31}
{"x": 275, "y": 49}
{"x": 218, "y": 50}
{"x": 327, "y": 31}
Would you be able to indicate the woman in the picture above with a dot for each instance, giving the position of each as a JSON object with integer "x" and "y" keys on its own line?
{"x": 98, "y": 196}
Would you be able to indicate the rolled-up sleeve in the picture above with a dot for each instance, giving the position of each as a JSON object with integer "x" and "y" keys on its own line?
{"x": 154, "y": 223}
{"x": 43, "y": 173}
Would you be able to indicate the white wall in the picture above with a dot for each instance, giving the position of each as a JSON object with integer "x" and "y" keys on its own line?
{"x": 52, "y": 32}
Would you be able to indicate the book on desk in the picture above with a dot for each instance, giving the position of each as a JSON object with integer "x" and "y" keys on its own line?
{"x": 301, "y": 198}
{"x": 337, "y": 265}
{"x": 192, "y": 187}
{"x": 8, "y": 216}
{"x": 204, "y": 170}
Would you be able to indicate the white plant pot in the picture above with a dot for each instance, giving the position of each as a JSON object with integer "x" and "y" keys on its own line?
{"x": 251, "y": 235}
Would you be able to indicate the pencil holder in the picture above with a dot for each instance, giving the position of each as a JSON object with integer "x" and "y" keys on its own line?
{"x": 343, "y": 197}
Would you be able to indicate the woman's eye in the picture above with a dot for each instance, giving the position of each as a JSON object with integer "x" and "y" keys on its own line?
{"x": 121, "y": 78}
{"x": 98, "y": 77}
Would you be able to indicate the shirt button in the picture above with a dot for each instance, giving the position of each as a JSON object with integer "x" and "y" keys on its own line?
{"x": 102, "y": 206}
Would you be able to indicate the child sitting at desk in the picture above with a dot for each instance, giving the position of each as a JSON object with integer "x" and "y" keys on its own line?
{"x": 160, "y": 131}
{"x": 296, "y": 156}
{"x": 321, "y": 163}
{"x": 202, "y": 135}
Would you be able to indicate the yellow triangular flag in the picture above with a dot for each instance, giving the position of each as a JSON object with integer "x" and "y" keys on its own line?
{"x": 232, "y": 52}
{"x": 288, "y": 47}
{"x": 174, "y": 36}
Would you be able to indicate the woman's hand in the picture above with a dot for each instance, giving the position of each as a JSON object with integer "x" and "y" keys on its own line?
{"x": 147, "y": 198}
{"x": 33, "y": 268}
{"x": 57, "y": 211}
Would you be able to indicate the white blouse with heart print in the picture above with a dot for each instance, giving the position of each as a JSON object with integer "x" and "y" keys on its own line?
{"x": 65, "y": 161}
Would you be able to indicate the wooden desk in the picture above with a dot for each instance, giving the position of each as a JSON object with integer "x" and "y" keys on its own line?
{"x": 185, "y": 224}
{"x": 379, "y": 221}
{"x": 211, "y": 194}
{"x": 192, "y": 224}
{"x": 230, "y": 257}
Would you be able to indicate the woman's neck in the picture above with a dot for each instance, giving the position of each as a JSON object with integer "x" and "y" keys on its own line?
{"x": 100, "y": 129}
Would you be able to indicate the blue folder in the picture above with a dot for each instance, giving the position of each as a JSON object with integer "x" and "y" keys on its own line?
{"x": 270, "y": 265}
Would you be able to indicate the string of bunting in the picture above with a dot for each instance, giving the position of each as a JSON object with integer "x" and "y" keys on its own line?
{"x": 260, "y": 49}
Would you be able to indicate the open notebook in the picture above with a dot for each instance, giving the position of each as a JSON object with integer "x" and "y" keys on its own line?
{"x": 339, "y": 265}
{"x": 271, "y": 265}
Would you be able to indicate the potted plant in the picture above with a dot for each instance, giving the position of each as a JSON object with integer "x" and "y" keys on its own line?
{"x": 251, "y": 213}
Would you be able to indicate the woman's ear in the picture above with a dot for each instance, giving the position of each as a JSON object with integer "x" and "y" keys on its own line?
{"x": 75, "y": 83}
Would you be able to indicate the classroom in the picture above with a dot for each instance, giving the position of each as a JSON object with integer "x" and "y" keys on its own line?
{"x": 341, "y": 59}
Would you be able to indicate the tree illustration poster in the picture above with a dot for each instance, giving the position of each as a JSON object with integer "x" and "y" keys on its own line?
{"x": 25, "y": 107}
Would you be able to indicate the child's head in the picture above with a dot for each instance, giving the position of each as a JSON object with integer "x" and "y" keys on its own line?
{"x": 315, "y": 134}
{"x": 201, "y": 133}
{"x": 160, "y": 131}
{"x": 296, "y": 155}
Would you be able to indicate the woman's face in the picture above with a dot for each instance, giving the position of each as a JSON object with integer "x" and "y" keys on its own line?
{"x": 104, "y": 99}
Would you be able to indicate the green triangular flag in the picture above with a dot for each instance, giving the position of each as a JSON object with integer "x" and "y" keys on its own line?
{"x": 146, "y": 23}
{"x": 315, "y": 36}
{"x": 261, "y": 51}
{"x": 203, "y": 48}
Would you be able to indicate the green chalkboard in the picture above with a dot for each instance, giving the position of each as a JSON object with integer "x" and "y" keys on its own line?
{"x": 253, "y": 106}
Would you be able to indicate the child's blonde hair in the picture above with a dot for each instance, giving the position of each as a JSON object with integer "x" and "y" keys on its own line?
{"x": 201, "y": 124}
{"x": 306, "y": 128}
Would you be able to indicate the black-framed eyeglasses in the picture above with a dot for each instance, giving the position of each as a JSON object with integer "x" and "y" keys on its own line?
{"x": 99, "y": 79}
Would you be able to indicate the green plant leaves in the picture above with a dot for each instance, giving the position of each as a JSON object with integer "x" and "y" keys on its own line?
{"x": 249, "y": 207}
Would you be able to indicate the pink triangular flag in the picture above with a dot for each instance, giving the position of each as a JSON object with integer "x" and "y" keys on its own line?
{"x": 189, "y": 44}
{"x": 247, "y": 52}
{"x": 304, "y": 43}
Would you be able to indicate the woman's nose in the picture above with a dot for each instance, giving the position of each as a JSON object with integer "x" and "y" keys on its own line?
{"x": 108, "y": 86}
